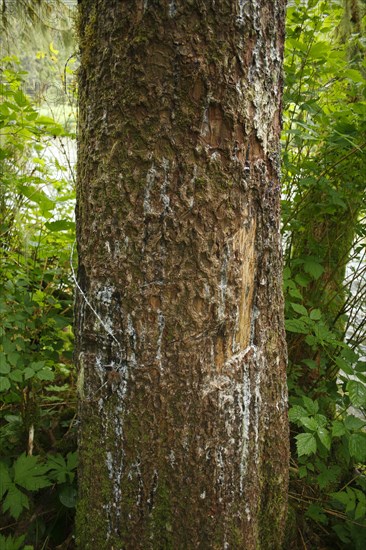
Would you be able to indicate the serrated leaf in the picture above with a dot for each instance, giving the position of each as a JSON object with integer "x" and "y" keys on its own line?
{"x": 316, "y": 513}
{"x": 297, "y": 326}
{"x": 299, "y": 309}
{"x": 344, "y": 365}
{"x": 306, "y": 444}
{"x": 303, "y": 472}
{"x": 296, "y": 412}
{"x": 72, "y": 460}
{"x": 360, "y": 510}
{"x": 357, "y": 446}
{"x": 338, "y": 428}
{"x": 313, "y": 268}
{"x": 320, "y": 419}
{"x": 324, "y": 437}
{"x": 315, "y": 314}
{"x": 15, "y": 501}
{"x": 4, "y": 384}
{"x": 60, "y": 225}
{"x": 311, "y": 406}
{"x": 309, "y": 423}
{"x": 4, "y": 366}
{"x": 357, "y": 393}
{"x": 30, "y": 473}
{"x": 16, "y": 375}
{"x": 328, "y": 476}
{"x": 353, "y": 423}
{"x": 28, "y": 373}
{"x": 45, "y": 374}
{"x": 13, "y": 543}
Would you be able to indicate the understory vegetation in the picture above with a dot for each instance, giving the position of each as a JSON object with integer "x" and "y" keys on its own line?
{"x": 324, "y": 237}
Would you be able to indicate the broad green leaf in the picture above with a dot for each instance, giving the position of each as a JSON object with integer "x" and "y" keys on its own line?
{"x": 28, "y": 373}
{"x": 45, "y": 374}
{"x": 30, "y": 473}
{"x": 296, "y": 412}
{"x": 338, "y": 428}
{"x": 16, "y": 375}
{"x": 357, "y": 393}
{"x": 324, "y": 437}
{"x": 68, "y": 496}
{"x": 4, "y": 384}
{"x": 328, "y": 476}
{"x": 299, "y": 309}
{"x": 306, "y": 444}
{"x": 315, "y": 314}
{"x": 309, "y": 423}
{"x": 357, "y": 446}
{"x": 13, "y": 543}
{"x": 313, "y": 268}
{"x": 344, "y": 365}
{"x": 297, "y": 326}
{"x": 360, "y": 511}
{"x": 60, "y": 225}
{"x": 15, "y": 501}
{"x": 310, "y": 405}
{"x": 4, "y": 366}
{"x": 353, "y": 423}
{"x": 316, "y": 513}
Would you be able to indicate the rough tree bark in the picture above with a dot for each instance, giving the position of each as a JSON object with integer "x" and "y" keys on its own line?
{"x": 180, "y": 342}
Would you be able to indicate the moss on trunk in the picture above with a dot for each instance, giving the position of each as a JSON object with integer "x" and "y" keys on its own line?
{"x": 183, "y": 426}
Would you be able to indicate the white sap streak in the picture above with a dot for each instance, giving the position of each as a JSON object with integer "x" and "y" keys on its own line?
{"x": 163, "y": 192}
{"x": 223, "y": 287}
{"x": 172, "y": 8}
{"x": 133, "y": 341}
{"x": 150, "y": 179}
{"x": 245, "y": 420}
{"x": 161, "y": 326}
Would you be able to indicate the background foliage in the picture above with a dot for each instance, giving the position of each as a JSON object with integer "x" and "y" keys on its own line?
{"x": 324, "y": 147}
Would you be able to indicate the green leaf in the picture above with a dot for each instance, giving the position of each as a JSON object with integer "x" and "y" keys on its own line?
{"x": 324, "y": 437}
{"x": 16, "y": 375}
{"x": 68, "y": 496}
{"x": 45, "y": 374}
{"x": 297, "y": 326}
{"x": 328, "y": 476}
{"x": 338, "y": 428}
{"x": 13, "y": 543}
{"x": 4, "y": 366}
{"x": 315, "y": 314}
{"x": 306, "y": 444}
{"x": 313, "y": 268}
{"x": 299, "y": 309}
{"x": 4, "y": 384}
{"x": 309, "y": 423}
{"x": 352, "y": 423}
{"x": 357, "y": 446}
{"x": 296, "y": 412}
{"x": 316, "y": 513}
{"x": 28, "y": 373}
{"x": 30, "y": 474}
{"x": 357, "y": 393}
{"x": 60, "y": 225}
{"x": 310, "y": 405}
{"x": 15, "y": 501}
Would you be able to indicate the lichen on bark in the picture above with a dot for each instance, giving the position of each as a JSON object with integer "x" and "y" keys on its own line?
{"x": 183, "y": 397}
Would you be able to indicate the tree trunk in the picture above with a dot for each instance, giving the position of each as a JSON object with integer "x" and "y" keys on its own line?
{"x": 180, "y": 342}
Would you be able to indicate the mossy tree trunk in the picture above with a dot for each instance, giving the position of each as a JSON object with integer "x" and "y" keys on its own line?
{"x": 179, "y": 325}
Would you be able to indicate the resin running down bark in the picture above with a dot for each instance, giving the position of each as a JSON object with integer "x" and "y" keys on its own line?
{"x": 183, "y": 428}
